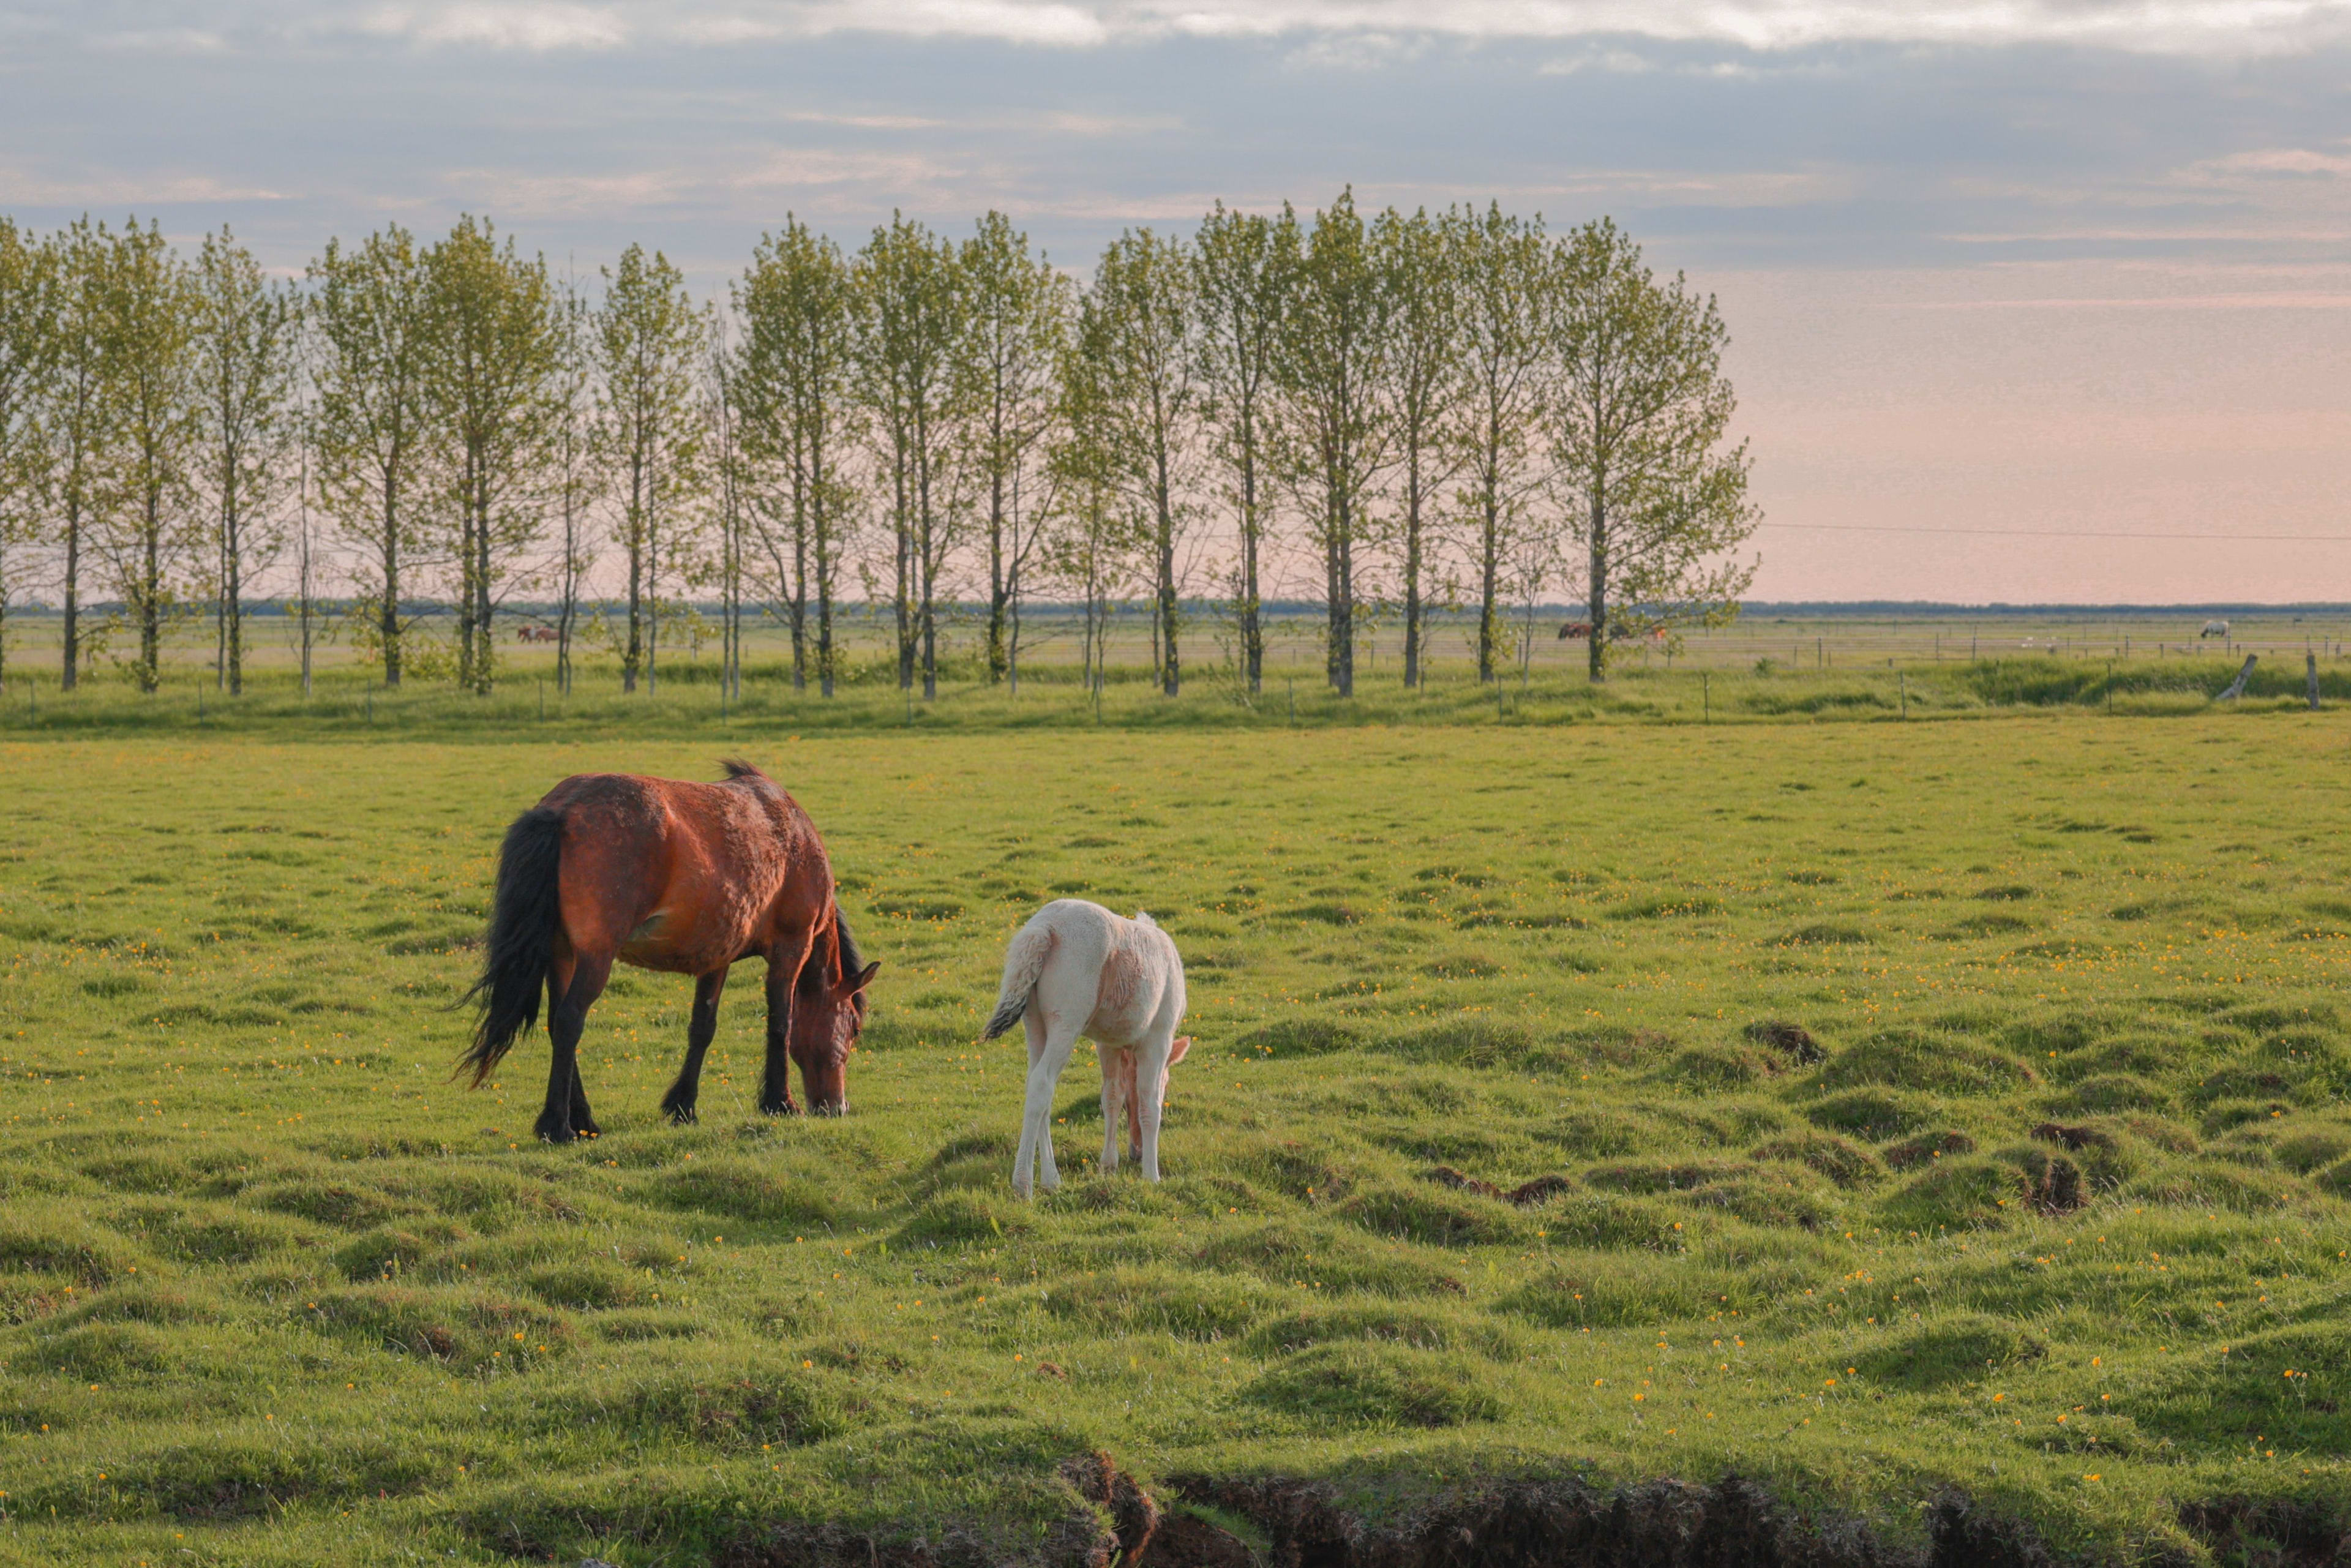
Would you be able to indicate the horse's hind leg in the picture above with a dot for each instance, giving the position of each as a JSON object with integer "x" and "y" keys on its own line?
{"x": 679, "y": 1101}
{"x": 573, "y": 983}
{"x": 1048, "y": 1053}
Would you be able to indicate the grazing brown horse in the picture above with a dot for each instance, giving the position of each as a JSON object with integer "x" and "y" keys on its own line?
{"x": 685, "y": 877}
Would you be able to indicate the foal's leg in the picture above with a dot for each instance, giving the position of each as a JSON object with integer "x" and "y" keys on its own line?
{"x": 1048, "y": 1053}
{"x": 1114, "y": 1099}
{"x": 582, "y": 978}
{"x": 1151, "y": 1085}
{"x": 679, "y": 1100}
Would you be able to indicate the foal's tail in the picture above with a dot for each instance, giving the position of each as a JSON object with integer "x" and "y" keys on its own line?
{"x": 523, "y": 921}
{"x": 1023, "y": 961}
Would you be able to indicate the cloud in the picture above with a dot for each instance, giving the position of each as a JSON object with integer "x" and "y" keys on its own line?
{"x": 536, "y": 28}
{"x": 1342, "y": 33}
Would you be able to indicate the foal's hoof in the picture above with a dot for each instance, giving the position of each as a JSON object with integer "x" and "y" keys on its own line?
{"x": 555, "y": 1132}
{"x": 679, "y": 1115}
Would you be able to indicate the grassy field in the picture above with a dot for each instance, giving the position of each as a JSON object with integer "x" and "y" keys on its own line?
{"x": 2060, "y": 1221}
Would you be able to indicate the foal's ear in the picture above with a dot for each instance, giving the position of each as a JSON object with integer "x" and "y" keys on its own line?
{"x": 865, "y": 979}
{"x": 1175, "y": 1053}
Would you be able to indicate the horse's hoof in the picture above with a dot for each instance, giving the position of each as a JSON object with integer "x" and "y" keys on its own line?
{"x": 778, "y": 1108}
{"x": 680, "y": 1115}
{"x": 556, "y": 1132}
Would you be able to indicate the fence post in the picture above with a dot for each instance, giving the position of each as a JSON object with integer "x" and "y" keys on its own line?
{"x": 1706, "y": 698}
{"x": 1903, "y": 680}
{"x": 2236, "y": 688}
{"x": 2310, "y": 662}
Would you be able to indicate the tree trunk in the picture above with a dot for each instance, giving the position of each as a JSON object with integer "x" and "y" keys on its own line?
{"x": 823, "y": 618}
{"x": 150, "y": 591}
{"x": 388, "y": 625}
{"x": 799, "y": 605}
{"x": 1595, "y": 653}
{"x": 233, "y": 597}
{"x": 1000, "y": 590}
{"x": 1490, "y": 568}
{"x": 71, "y": 675}
{"x": 635, "y": 657}
{"x": 1252, "y": 631}
{"x": 1412, "y": 574}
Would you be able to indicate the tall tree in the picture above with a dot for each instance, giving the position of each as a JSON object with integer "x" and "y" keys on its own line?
{"x": 1242, "y": 266}
{"x": 1333, "y": 369}
{"x": 76, "y": 417}
{"x": 1507, "y": 284}
{"x": 1638, "y": 416}
{"x": 246, "y": 375}
{"x": 306, "y": 546}
{"x": 147, "y": 344}
{"x": 1020, "y": 311}
{"x": 1418, "y": 265}
{"x": 1097, "y": 526}
{"x": 573, "y": 468}
{"x": 1144, "y": 321}
{"x": 911, "y": 318}
{"x": 649, "y": 340}
{"x": 497, "y": 366}
{"x": 726, "y": 441}
{"x": 795, "y": 387}
{"x": 29, "y": 328}
{"x": 372, "y": 308}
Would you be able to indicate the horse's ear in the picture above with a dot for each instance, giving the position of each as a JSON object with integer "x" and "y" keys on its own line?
{"x": 865, "y": 978}
{"x": 1175, "y": 1053}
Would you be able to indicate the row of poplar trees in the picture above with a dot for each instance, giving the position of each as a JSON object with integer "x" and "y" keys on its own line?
{"x": 1457, "y": 408}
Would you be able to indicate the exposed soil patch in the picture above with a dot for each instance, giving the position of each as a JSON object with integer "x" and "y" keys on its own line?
{"x": 2053, "y": 1184}
{"x": 1524, "y": 1194}
{"x": 1793, "y": 1041}
{"x": 2272, "y": 1531}
{"x": 2075, "y": 1138}
{"x": 1927, "y": 1147}
{"x": 1663, "y": 1524}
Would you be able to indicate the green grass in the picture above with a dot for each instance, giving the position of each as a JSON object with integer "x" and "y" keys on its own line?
{"x": 276, "y": 1292}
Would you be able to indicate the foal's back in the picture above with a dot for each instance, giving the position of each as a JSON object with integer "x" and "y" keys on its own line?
{"x": 1138, "y": 974}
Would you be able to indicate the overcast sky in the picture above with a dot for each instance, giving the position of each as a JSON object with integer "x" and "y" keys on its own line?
{"x": 2028, "y": 266}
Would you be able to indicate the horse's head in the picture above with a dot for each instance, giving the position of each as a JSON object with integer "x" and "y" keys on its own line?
{"x": 828, "y": 1011}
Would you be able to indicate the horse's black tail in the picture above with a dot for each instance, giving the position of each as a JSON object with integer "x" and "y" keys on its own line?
{"x": 522, "y": 939}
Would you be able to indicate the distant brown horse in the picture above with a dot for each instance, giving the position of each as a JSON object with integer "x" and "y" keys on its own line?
{"x": 685, "y": 877}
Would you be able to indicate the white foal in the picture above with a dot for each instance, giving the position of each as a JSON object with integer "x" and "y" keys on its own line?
{"x": 1078, "y": 969}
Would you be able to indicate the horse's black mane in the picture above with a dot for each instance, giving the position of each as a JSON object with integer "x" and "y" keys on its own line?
{"x": 852, "y": 960}
{"x": 737, "y": 768}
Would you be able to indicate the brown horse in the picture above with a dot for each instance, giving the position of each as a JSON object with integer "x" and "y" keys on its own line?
{"x": 689, "y": 878}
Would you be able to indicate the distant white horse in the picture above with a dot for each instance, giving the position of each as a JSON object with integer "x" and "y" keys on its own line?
{"x": 2213, "y": 628}
{"x": 1078, "y": 969}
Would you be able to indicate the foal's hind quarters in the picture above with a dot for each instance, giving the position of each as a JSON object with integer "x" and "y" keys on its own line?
{"x": 683, "y": 877}
{"x": 1077, "y": 969}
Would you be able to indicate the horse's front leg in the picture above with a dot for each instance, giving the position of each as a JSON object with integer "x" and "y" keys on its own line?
{"x": 573, "y": 983}
{"x": 679, "y": 1103}
{"x": 786, "y": 959}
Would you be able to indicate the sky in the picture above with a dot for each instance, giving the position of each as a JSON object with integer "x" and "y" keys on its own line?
{"x": 2030, "y": 300}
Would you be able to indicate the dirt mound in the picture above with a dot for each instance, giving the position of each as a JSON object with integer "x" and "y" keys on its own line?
{"x": 1793, "y": 1041}
{"x": 1523, "y": 1195}
{"x": 1663, "y": 1524}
